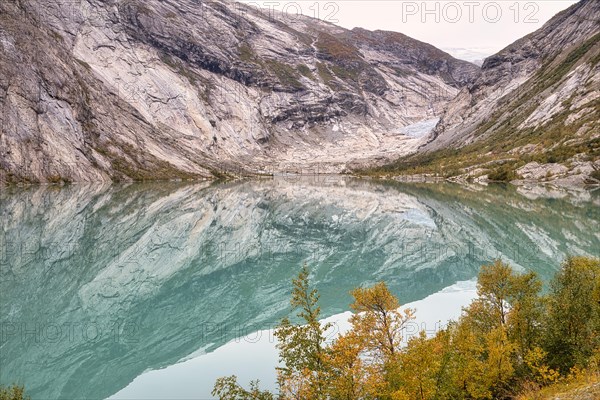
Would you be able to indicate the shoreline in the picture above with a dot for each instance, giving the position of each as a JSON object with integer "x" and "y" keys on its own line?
{"x": 414, "y": 178}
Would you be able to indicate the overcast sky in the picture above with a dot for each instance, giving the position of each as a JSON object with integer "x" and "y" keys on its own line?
{"x": 467, "y": 29}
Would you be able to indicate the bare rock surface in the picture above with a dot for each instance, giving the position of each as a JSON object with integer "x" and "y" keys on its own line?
{"x": 99, "y": 90}
{"x": 576, "y": 172}
{"x": 547, "y": 81}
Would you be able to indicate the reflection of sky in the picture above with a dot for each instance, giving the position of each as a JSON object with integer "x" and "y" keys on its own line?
{"x": 255, "y": 356}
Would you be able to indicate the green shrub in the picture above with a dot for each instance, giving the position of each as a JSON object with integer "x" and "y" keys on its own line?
{"x": 573, "y": 316}
{"x": 13, "y": 392}
{"x": 305, "y": 71}
{"x": 286, "y": 74}
{"x": 324, "y": 73}
{"x": 503, "y": 173}
{"x": 246, "y": 53}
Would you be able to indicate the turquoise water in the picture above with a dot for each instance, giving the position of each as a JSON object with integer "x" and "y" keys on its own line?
{"x": 101, "y": 283}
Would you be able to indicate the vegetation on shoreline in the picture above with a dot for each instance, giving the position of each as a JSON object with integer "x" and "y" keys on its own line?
{"x": 453, "y": 162}
{"x": 13, "y": 392}
{"x": 510, "y": 342}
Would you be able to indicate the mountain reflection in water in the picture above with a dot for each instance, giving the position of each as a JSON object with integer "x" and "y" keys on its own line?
{"x": 101, "y": 283}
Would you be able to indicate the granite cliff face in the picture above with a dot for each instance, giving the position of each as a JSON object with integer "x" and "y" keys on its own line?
{"x": 538, "y": 94}
{"x": 98, "y": 90}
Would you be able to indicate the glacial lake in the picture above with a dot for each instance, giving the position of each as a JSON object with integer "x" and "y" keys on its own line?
{"x": 154, "y": 290}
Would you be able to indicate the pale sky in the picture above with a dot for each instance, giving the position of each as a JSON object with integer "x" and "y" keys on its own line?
{"x": 467, "y": 29}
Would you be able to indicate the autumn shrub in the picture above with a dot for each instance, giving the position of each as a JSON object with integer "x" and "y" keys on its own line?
{"x": 510, "y": 341}
{"x": 13, "y": 392}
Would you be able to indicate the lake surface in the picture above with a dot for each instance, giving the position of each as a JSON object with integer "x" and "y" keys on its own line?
{"x": 107, "y": 290}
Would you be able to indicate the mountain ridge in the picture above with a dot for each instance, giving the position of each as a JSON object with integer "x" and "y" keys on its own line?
{"x": 168, "y": 89}
{"x": 533, "y": 113}
{"x": 516, "y": 63}
{"x": 127, "y": 90}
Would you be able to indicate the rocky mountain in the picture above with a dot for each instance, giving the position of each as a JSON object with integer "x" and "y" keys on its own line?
{"x": 98, "y": 90}
{"x": 536, "y": 100}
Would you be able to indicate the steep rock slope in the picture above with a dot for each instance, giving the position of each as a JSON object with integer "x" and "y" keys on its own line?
{"x": 124, "y": 89}
{"x": 540, "y": 95}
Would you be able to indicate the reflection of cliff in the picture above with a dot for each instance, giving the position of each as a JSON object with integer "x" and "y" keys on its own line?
{"x": 535, "y": 229}
{"x": 99, "y": 284}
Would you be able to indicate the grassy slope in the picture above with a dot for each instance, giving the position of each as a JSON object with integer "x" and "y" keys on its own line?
{"x": 586, "y": 387}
